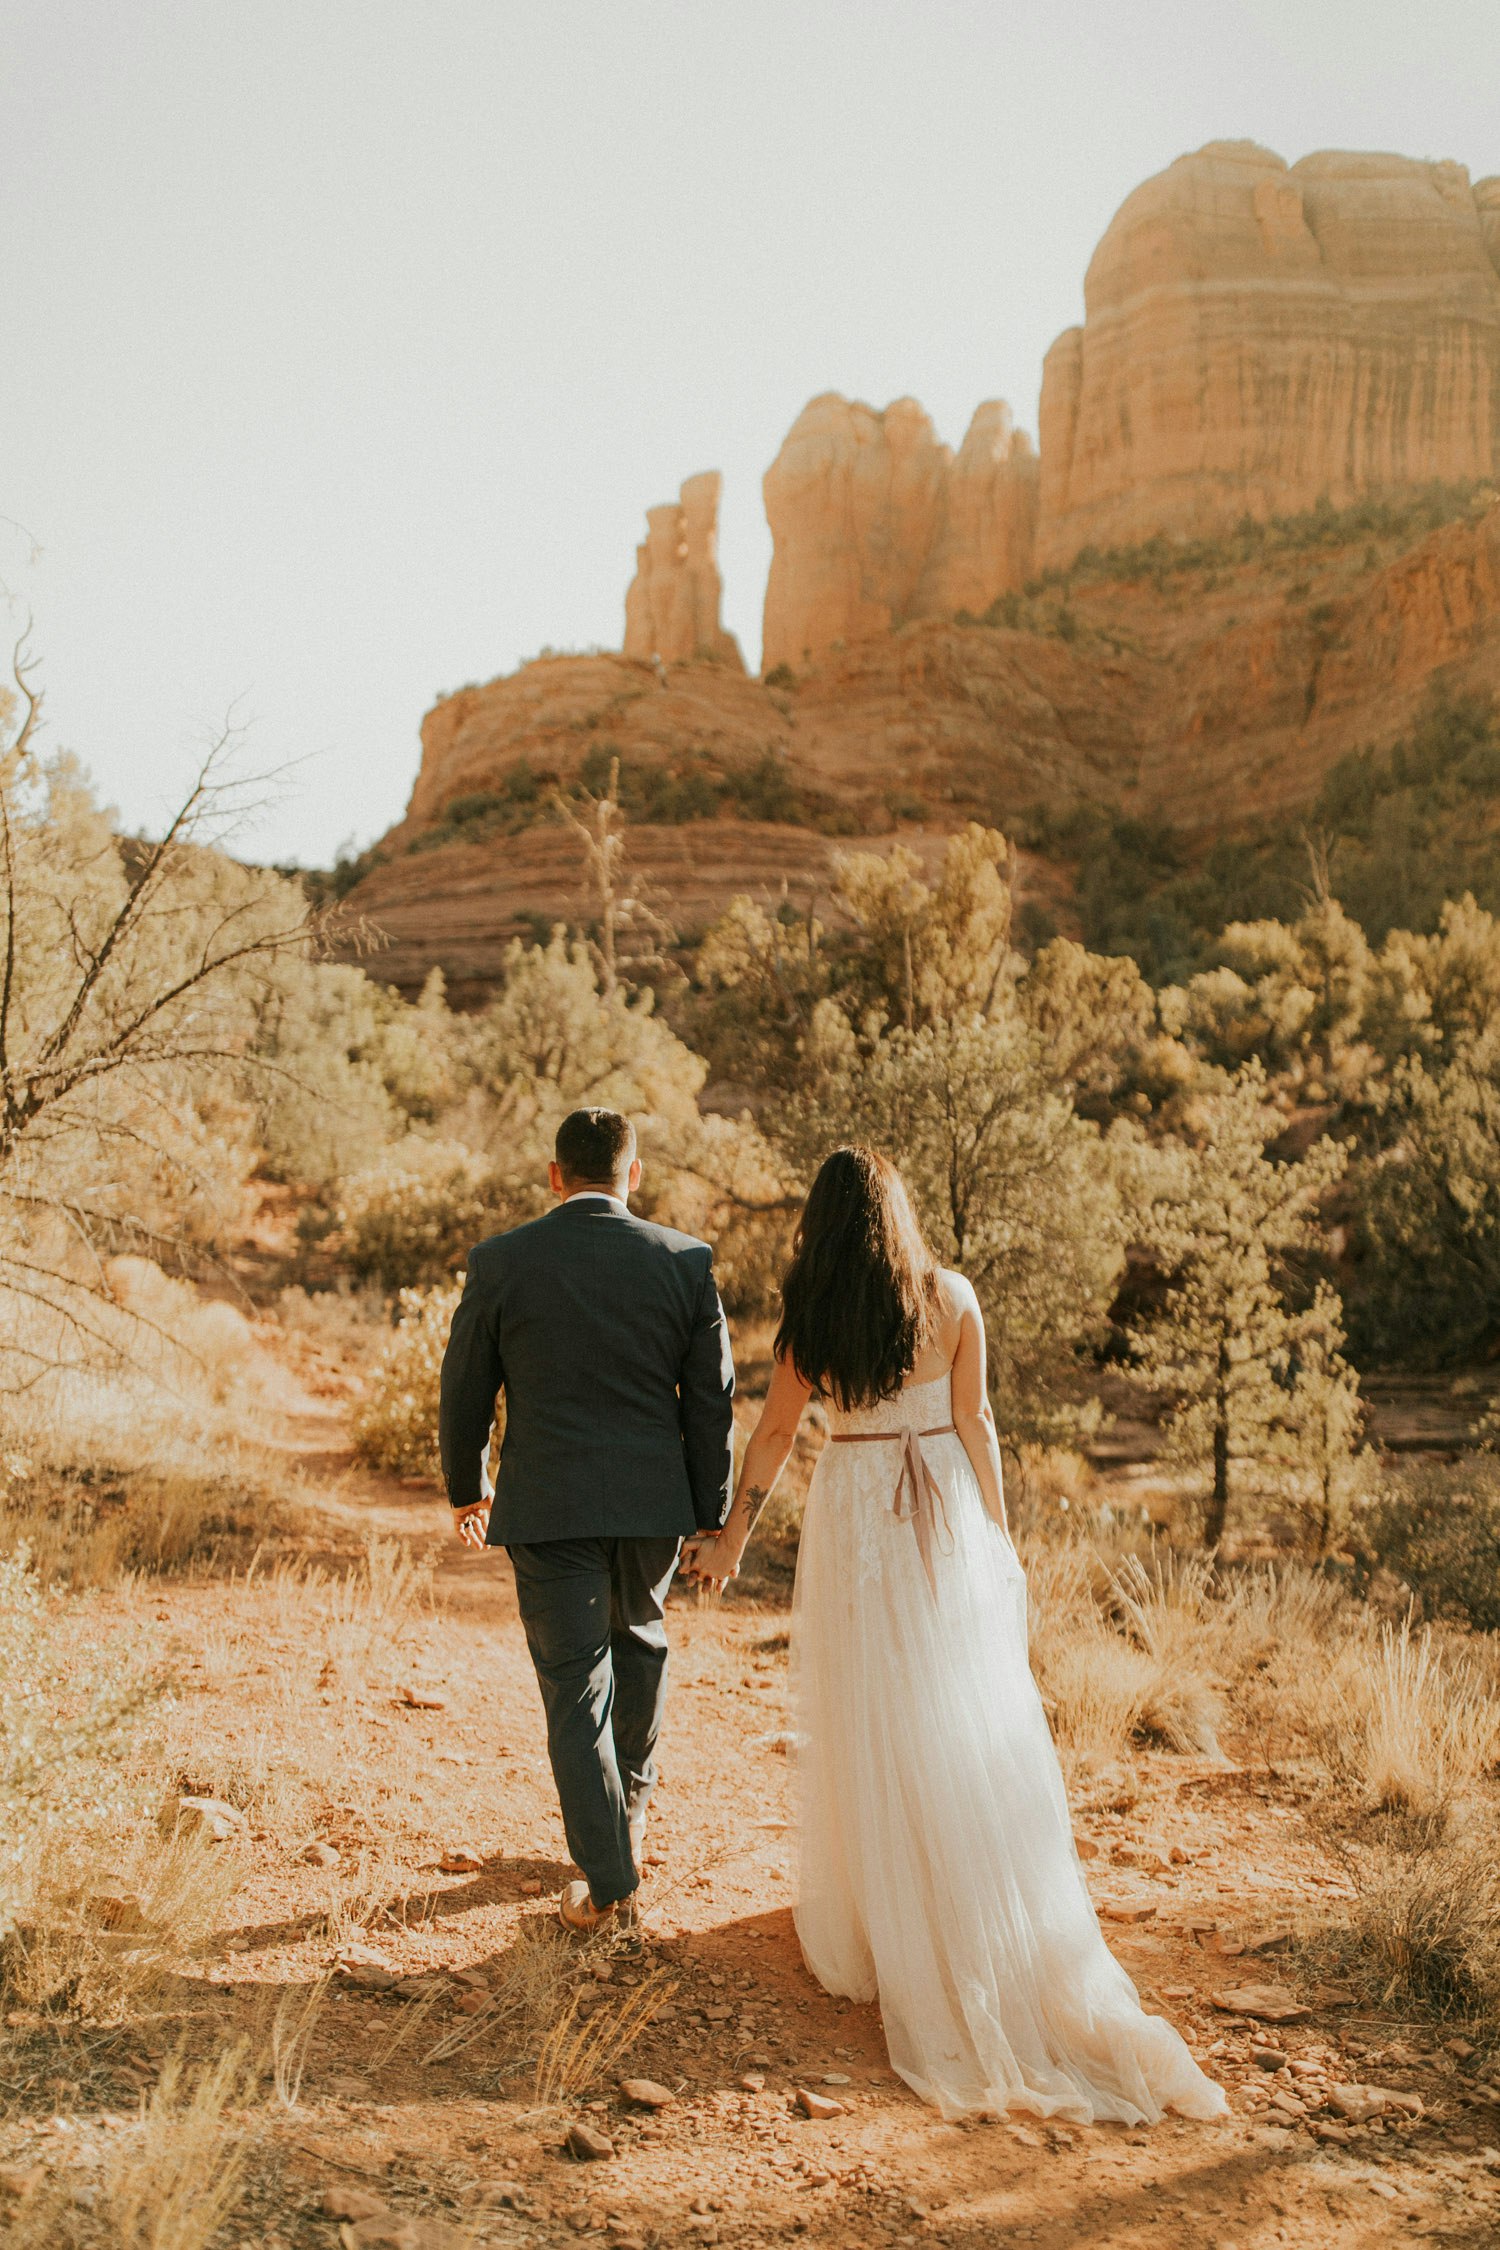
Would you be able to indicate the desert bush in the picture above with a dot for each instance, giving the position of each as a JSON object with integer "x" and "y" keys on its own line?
{"x": 1425, "y": 1927}
{"x": 1436, "y": 1526}
{"x": 396, "y": 1422}
{"x": 410, "y": 1220}
{"x": 322, "y": 1106}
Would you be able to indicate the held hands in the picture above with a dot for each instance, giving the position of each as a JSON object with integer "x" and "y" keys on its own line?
{"x": 710, "y": 1559}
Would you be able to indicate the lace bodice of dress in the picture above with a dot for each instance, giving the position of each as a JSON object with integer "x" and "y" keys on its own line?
{"x": 921, "y": 1406}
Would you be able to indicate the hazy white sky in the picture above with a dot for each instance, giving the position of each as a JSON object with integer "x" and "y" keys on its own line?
{"x": 348, "y": 340}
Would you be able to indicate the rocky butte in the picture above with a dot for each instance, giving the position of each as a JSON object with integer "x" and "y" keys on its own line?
{"x": 1258, "y": 336}
{"x": 958, "y": 635}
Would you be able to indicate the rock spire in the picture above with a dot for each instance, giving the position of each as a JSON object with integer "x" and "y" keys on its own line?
{"x": 672, "y": 606}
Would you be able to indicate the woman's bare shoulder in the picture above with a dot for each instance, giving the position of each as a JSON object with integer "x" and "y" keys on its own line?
{"x": 957, "y": 1293}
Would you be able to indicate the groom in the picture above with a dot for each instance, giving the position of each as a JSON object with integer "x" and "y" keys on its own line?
{"x": 608, "y": 1339}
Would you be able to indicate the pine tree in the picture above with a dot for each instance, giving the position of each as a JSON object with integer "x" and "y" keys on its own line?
{"x": 1231, "y": 1220}
{"x": 1317, "y": 1433}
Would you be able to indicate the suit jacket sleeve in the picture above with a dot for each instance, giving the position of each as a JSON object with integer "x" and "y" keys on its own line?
{"x": 705, "y": 1393}
{"x": 471, "y": 1379}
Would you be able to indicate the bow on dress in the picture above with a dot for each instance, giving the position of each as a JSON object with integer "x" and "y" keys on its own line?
{"x": 918, "y": 1500}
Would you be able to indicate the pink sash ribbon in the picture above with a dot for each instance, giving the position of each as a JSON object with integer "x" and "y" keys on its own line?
{"x": 918, "y": 1497}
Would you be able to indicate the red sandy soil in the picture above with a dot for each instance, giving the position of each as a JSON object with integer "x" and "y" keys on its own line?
{"x": 1191, "y": 1862}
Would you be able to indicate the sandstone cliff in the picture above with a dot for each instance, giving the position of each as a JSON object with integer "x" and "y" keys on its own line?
{"x": 1258, "y": 336}
{"x": 1258, "y": 340}
{"x": 1204, "y": 696}
{"x": 874, "y": 522}
{"x": 672, "y": 605}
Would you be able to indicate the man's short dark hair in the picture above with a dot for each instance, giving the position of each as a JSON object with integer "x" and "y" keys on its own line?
{"x": 595, "y": 1147}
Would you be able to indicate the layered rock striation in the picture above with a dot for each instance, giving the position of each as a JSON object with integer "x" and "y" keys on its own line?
{"x": 1207, "y": 696}
{"x": 1258, "y": 337}
{"x": 874, "y": 522}
{"x": 672, "y": 605}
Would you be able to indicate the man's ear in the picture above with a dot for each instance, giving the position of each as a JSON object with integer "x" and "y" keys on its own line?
{"x": 633, "y": 1178}
{"x": 555, "y": 1179}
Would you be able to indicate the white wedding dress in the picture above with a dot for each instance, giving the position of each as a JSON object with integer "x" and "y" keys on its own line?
{"x": 937, "y": 1869}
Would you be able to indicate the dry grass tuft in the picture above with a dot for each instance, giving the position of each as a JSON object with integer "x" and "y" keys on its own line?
{"x": 172, "y": 2182}
{"x": 298, "y": 2013}
{"x": 114, "y": 1922}
{"x": 579, "y": 2052}
{"x": 177, "y": 2182}
{"x": 1172, "y": 1616}
{"x": 370, "y": 1615}
{"x": 89, "y": 1525}
{"x": 532, "y": 1990}
{"x": 1425, "y": 1930}
{"x": 1409, "y": 1724}
{"x": 1125, "y": 1654}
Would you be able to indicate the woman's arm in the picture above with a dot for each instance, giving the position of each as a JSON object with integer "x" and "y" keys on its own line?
{"x": 715, "y": 1556}
{"x": 972, "y": 1417}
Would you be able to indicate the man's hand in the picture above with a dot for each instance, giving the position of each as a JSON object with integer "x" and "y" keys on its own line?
{"x": 472, "y": 1524}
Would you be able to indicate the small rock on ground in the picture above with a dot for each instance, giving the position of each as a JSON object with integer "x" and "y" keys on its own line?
{"x": 646, "y": 2093}
{"x": 201, "y": 1816}
{"x": 1267, "y": 2003}
{"x": 352, "y": 2203}
{"x": 817, "y": 2105}
{"x": 396, "y": 2232}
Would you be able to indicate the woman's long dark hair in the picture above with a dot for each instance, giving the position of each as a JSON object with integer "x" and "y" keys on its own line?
{"x": 860, "y": 1297}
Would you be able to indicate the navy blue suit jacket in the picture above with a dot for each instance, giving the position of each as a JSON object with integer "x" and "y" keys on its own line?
{"x": 608, "y": 1339}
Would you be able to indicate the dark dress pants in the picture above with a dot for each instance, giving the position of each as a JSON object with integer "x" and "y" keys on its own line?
{"x": 593, "y": 1614}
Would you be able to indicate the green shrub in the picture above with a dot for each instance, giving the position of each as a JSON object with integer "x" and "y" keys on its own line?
{"x": 412, "y": 1218}
{"x": 1407, "y": 829}
{"x": 1436, "y": 1526}
{"x": 396, "y": 1424}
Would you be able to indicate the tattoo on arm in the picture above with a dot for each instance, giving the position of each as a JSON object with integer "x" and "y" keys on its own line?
{"x": 757, "y": 1495}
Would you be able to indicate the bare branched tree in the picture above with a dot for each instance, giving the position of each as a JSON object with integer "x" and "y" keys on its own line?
{"x": 132, "y": 977}
{"x": 633, "y": 933}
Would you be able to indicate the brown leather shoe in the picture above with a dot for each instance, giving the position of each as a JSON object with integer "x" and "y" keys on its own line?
{"x": 577, "y": 1911}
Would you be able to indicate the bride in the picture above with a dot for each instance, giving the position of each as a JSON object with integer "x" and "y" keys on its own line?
{"x": 937, "y": 1868}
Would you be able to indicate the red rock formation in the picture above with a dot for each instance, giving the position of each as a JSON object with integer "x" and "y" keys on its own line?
{"x": 1206, "y": 700}
{"x": 1257, "y": 337}
{"x": 986, "y": 533}
{"x": 672, "y": 606}
{"x": 874, "y": 522}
